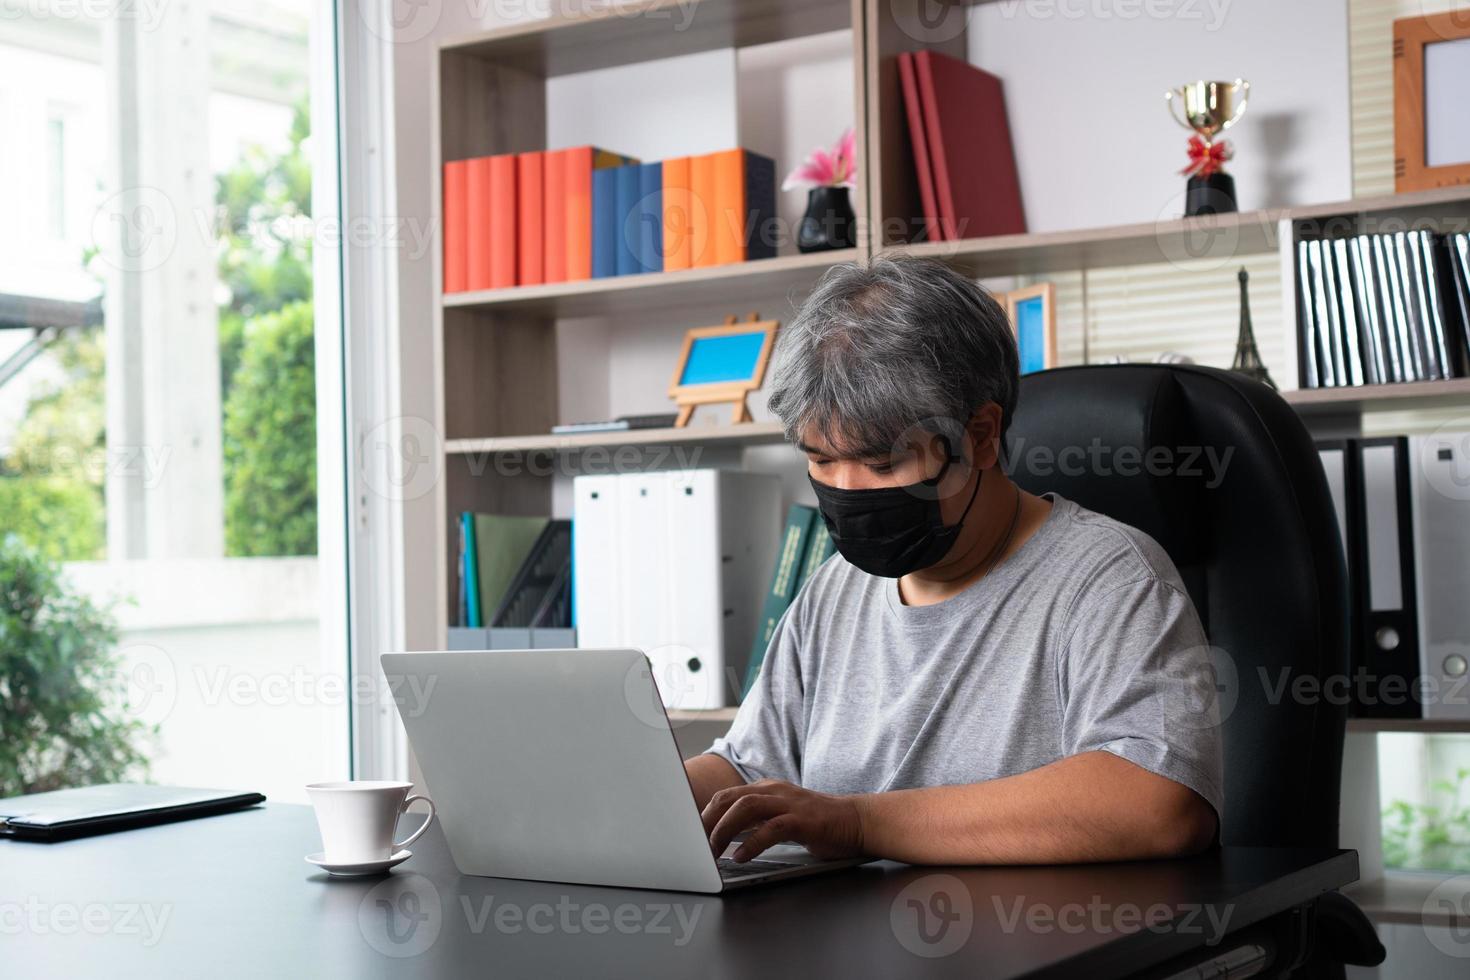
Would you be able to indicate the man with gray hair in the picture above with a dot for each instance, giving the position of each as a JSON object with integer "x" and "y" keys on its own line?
{"x": 980, "y": 674}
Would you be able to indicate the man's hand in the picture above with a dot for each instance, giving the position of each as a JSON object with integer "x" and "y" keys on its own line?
{"x": 829, "y": 826}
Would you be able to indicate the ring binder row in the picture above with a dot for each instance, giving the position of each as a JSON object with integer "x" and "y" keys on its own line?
{"x": 672, "y": 563}
{"x": 1383, "y": 309}
{"x": 1403, "y": 505}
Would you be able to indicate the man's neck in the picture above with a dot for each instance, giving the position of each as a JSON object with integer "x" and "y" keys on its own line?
{"x": 1001, "y": 510}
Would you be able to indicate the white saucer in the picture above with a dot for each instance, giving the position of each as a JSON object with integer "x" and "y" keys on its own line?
{"x": 358, "y": 870}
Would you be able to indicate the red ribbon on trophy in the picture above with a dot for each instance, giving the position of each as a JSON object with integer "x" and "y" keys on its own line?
{"x": 1207, "y": 158}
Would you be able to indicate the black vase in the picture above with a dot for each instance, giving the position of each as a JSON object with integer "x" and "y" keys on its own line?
{"x": 1214, "y": 194}
{"x": 829, "y": 221}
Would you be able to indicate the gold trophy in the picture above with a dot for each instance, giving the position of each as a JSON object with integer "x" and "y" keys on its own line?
{"x": 1208, "y": 109}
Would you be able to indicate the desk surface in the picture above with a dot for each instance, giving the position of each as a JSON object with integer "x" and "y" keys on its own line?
{"x": 230, "y": 896}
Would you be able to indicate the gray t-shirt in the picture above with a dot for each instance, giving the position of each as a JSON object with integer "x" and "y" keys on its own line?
{"x": 1083, "y": 640}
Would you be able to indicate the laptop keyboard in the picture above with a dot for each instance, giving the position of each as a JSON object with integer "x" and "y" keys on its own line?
{"x": 730, "y": 869}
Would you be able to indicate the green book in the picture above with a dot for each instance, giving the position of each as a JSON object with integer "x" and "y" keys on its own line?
{"x": 502, "y": 543}
{"x": 784, "y": 582}
{"x": 818, "y": 551}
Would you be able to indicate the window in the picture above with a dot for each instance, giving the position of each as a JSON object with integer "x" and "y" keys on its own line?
{"x": 1424, "y": 787}
{"x": 56, "y": 175}
{"x": 159, "y": 581}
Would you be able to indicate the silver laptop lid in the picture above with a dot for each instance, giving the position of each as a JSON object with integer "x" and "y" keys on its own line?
{"x": 553, "y": 765}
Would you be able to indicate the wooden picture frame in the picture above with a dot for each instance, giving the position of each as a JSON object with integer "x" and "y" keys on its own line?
{"x": 725, "y": 371}
{"x": 1033, "y": 315}
{"x": 1411, "y": 36}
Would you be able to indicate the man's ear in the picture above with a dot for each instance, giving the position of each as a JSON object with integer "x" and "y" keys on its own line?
{"x": 984, "y": 433}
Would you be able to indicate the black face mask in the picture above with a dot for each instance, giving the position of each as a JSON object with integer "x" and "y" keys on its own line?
{"x": 891, "y": 531}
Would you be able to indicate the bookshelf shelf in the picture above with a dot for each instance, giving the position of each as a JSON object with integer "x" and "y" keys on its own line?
{"x": 1420, "y": 725}
{"x": 722, "y": 715}
{"x": 1175, "y": 239}
{"x": 744, "y": 434}
{"x": 1392, "y": 397}
{"x": 609, "y": 35}
{"x": 1217, "y": 237}
{"x": 720, "y": 285}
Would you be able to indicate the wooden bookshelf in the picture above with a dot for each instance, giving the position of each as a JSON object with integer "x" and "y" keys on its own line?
{"x": 720, "y": 285}
{"x": 1215, "y": 237}
{"x": 1391, "y": 397}
{"x": 496, "y": 354}
{"x": 605, "y": 36}
{"x": 744, "y": 434}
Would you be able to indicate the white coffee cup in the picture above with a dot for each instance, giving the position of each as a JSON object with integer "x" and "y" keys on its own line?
{"x": 357, "y": 818}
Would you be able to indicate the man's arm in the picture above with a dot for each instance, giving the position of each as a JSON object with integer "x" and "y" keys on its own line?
{"x": 708, "y": 774}
{"x": 1090, "y": 807}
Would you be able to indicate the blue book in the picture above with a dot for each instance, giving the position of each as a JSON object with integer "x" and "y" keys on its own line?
{"x": 626, "y": 246}
{"x": 650, "y": 241}
{"x": 604, "y": 222}
{"x": 471, "y": 572}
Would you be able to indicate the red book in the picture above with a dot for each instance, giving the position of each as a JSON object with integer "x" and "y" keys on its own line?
{"x": 554, "y": 217}
{"x": 579, "y": 162}
{"x": 919, "y": 141}
{"x": 454, "y": 226}
{"x": 976, "y": 185}
{"x": 479, "y": 217}
{"x": 502, "y": 221}
{"x": 530, "y": 259}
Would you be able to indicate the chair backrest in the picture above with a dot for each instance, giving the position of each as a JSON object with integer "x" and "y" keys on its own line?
{"x": 1223, "y": 474}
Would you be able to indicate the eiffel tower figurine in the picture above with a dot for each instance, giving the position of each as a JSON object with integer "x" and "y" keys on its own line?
{"x": 1247, "y": 358}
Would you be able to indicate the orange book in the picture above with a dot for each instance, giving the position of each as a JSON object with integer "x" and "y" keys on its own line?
{"x": 502, "y": 221}
{"x": 702, "y": 210}
{"x": 478, "y": 218}
{"x": 554, "y": 216}
{"x": 530, "y": 261}
{"x": 742, "y": 220}
{"x": 454, "y": 226}
{"x": 728, "y": 214}
{"x": 678, "y": 252}
{"x": 580, "y": 161}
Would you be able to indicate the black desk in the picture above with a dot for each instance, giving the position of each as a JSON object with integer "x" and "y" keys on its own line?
{"x": 230, "y": 896}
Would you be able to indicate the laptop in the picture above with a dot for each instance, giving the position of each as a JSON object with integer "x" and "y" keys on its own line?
{"x": 560, "y": 765}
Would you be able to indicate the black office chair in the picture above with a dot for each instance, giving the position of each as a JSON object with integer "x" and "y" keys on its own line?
{"x": 1255, "y": 538}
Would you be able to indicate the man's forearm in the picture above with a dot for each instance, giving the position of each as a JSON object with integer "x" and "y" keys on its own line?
{"x": 1090, "y": 807}
{"x": 708, "y": 774}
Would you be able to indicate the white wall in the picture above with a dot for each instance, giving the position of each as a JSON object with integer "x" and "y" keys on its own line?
{"x": 1084, "y": 86}
{"x": 634, "y": 109}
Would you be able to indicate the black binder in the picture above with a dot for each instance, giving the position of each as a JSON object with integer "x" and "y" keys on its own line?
{"x": 67, "y": 813}
{"x": 1381, "y": 563}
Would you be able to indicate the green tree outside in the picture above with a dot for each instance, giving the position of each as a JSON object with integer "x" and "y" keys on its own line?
{"x": 52, "y": 480}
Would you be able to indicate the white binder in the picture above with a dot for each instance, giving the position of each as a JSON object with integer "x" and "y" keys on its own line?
{"x": 675, "y": 566}
{"x": 1440, "y": 480}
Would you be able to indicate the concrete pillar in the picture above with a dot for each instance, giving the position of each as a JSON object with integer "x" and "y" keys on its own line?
{"x": 165, "y": 494}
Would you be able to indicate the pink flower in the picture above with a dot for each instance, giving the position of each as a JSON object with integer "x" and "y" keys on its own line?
{"x": 835, "y": 167}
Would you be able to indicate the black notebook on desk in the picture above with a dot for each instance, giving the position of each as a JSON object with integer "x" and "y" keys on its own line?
{"x": 66, "y": 813}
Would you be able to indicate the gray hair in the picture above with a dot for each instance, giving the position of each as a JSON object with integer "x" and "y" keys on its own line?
{"x": 878, "y": 349}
